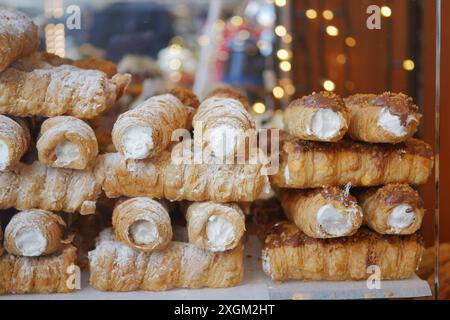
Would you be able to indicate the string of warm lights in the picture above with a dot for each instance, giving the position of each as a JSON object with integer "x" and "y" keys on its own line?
{"x": 331, "y": 29}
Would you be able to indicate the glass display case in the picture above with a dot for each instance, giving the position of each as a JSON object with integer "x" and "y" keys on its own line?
{"x": 274, "y": 52}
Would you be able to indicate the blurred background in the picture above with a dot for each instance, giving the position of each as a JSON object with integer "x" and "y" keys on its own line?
{"x": 272, "y": 50}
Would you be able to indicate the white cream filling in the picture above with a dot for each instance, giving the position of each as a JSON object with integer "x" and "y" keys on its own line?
{"x": 30, "y": 242}
{"x": 220, "y": 233}
{"x": 325, "y": 124}
{"x": 287, "y": 175}
{"x": 137, "y": 142}
{"x": 66, "y": 152}
{"x": 333, "y": 222}
{"x": 392, "y": 123}
{"x": 401, "y": 217}
{"x": 4, "y": 155}
{"x": 144, "y": 232}
{"x": 222, "y": 140}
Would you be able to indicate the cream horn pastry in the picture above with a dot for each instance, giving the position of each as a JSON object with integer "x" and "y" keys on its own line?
{"x": 39, "y": 186}
{"x": 215, "y": 227}
{"x": 14, "y": 141}
{"x": 385, "y": 118}
{"x": 222, "y": 121}
{"x": 18, "y": 36}
{"x": 289, "y": 254}
{"x": 114, "y": 266}
{"x": 34, "y": 233}
{"x": 67, "y": 142}
{"x": 392, "y": 209}
{"x": 143, "y": 224}
{"x": 318, "y": 117}
{"x": 328, "y": 212}
{"x": 147, "y": 130}
{"x": 160, "y": 177}
{"x": 44, "y": 90}
{"x": 48, "y": 274}
{"x": 306, "y": 164}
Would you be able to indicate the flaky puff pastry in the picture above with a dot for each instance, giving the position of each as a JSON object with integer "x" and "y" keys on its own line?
{"x": 392, "y": 209}
{"x": 306, "y": 164}
{"x": 160, "y": 177}
{"x": 328, "y": 212}
{"x": 147, "y": 130}
{"x": 318, "y": 117}
{"x": 215, "y": 227}
{"x": 105, "y": 66}
{"x": 67, "y": 142}
{"x": 290, "y": 254}
{"x": 34, "y": 233}
{"x": 143, "y": 224}
{"x": 43, "y": 90}
{"x": 116, "y": 267}
{"x": 49, "y": 274}
{"x": 39, "y": 186}
{"x": 14, "y": 141}
{"x": 222, "y": 121}
{"x": 18, "y": 36}
{"x": 385, "y": 118}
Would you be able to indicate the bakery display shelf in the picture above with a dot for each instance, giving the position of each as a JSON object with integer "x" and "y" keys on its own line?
{"x": 257, "y": 285}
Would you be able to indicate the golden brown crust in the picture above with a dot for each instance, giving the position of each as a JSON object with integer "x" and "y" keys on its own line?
{"x": 368, "y": 117}
{"x": 398, "y": 103}
{"x": 229, "y": 92}
{"x": 159, "y": 177}
{"x": 186, "y": 96}
{"x": 48, "y": 91}
{"x": 303, "y": 206}
{"x": 18, "y": 36}
{"x": 65, "y": 129}
{"x": 116, "y": 267}
{"x": 16, "y": 135}
{"x": 320, "y": 100}
{"x": 139, "y": 209}
{"x": 306, "y": 164}
{"x": 48, "y": 274}
{"x": 300, "y": 114}
{"x": 392, "y": 209}
{"x": 290, "y": 254}
{"x": 39, "y": 186}
{"x": 48, "y": 224}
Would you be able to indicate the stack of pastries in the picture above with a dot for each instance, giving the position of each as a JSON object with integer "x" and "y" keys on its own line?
{"x": 68, "y": 195}
{"x": 48, "y": 152}
{"x": 143, "y": 251}
{"x": 346, "y": 167}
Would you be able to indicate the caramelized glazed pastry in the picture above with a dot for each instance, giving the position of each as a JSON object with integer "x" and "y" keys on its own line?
{"x": 18, "y": 36}
{"x": 48, "y": 274}
{"x": 290, "y": 254}
{"x": 319, "y": 117}
{"x": 392, "y": 209}
{"x": 67, "y": 142}
{"x": 34, "y": 233}
{"x": 14, "y": 141}
{"x": 39, "y": 186}
{"x": 328, "y": 212}
{"x": 306, "y": 164}
{"x": 147, "y": 130}
{"x": 385, "y": 118}
{"x": 143, "y": 224}
{"x": 222, "y": 120}
{"x": 1, "y": 241}
{"x": 215, "y": 227}
{"x": 116, "y": 267}
{"x": 44, "y": 90}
